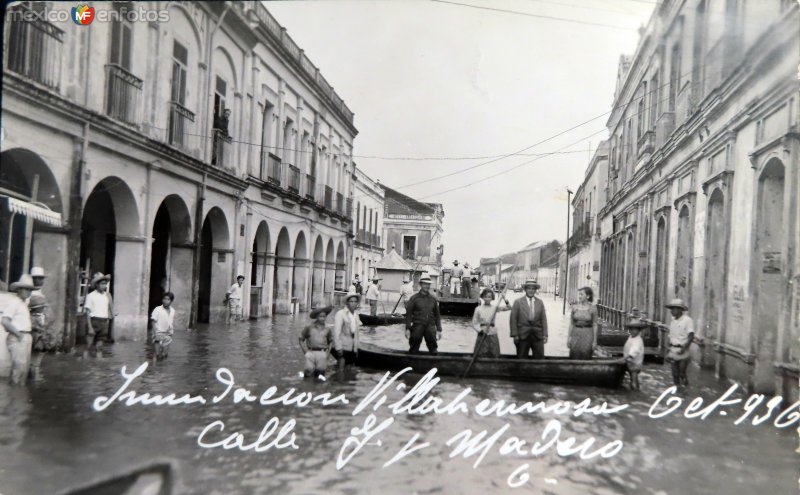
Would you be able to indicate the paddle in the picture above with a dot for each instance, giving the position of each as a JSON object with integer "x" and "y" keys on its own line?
{"x": 403, "y": 295}
{"x": 494, "y": 314}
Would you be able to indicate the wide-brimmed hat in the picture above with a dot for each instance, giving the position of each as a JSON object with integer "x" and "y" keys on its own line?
{"x": 351, "y": 295}
{"x": 455, "y": 262}
{"x": 376, "y": 278}
{"x": 316, "y": 312}
{"x": 425, "y": 279}
{"x": 37, "y": 271}
{"x": 98, "y": 277}
{"x": 37, "y": 301}
{"x": 532, "y": 282}
{"x": 24, "y": 282}
{"x": 634, "y": 322}
{"x": 677, "y": 303}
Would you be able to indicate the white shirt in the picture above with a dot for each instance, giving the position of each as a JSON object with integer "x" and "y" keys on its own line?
{"x": 345, "y": 330}
{"x": 17, "y": 311}
{"x": 407, "y": 290}
{"x": 467, "y": 274}
{"x": 680, "y": 329}
{"x": 531, "y": 305}
{"x": 373, "y": 294}
{"x": 97, "y": 304}
{"x": 235, "y": 292}
{"x": 634, "y": 349}
{"x": 163, "y": 319}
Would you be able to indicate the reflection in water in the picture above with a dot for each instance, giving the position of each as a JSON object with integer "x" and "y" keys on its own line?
{"x": 51, "y": 427}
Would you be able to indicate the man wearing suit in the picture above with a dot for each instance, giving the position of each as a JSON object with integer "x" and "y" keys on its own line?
{"x": 529, "y": 323}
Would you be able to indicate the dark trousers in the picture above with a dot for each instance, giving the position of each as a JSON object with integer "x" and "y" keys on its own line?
{"x": 418, "y": 332}
{"x": 530, "y": 345}
{"x": 466, "y": 288}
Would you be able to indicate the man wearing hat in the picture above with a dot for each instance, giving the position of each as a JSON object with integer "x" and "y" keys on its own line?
{"x": 528, "y": 323}
{"x": 99, "y": 312}
{"x": 16, "y": 321}
{"x": 373, "y": 295}
{"x": 234, "y": 300}
{"x": 423, "y": 320}
{"x": 466, "y": 281}
{"x": 316, "y": 341}
{"x": 455, "y": 279}
{"x": 407, "y": 289}
{"x": 681, "y": 334}
{"x": 37, "y": 305}
{"x": 345, "y": 331}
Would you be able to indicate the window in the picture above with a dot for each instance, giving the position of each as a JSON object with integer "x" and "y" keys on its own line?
{"x": 179, "y": 64}
{"x": 641, "y": 114}
{"x": 655, "y": 93}
{"x": 409, "y": 247}
{"x": 698, "y": 49}
{"x": 674, "y": 75}
{"x": 121, "y": 30}
{"x": 219, "y": 97}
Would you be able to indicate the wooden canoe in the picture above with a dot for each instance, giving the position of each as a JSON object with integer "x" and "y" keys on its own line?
{"x": 381, "y": 319}
{"x": 157, "y": 478}
{"x": 458, "y": 306}
{"x": 597, "y": 372}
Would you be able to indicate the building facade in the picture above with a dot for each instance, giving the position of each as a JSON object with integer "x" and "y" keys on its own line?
{"x": 702, "y": 184}
{"x": 531, "y": 257}
{"x": 584, "y": 242}
{"x": 368, "y": 226}
{"x": 414, "y": 229}
{"x": 147, "y": 179}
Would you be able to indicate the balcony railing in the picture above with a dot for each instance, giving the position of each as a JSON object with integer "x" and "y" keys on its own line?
{"x": 327, "y": 199}
{"x": 581, "y": 236}
{"x": 647, "y": 142}
{"x": 123, "y": 91}
{"x": 339, "y": 203}
{"x": 221, "y": 156}
{"x": 293, "y": 179}
{"x": 33, "y": 47}
{"x": 348, "y": 211}
{"x": 311, "y": 186}
{"x": 274, "y": 169}
{"x": 179, "y": 116}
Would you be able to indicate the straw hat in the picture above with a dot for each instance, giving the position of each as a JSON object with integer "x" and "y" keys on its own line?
{"x": 455, "y": 262}
{"x": 351, "y": 295}
{"x": 98, "y": 277}
{"x": 37, "y": 271}
{"x": 240, "y": 277}
{"x": 425, "y": 279}
{"x": 635, "y": 323}
{"x": 677, "y": 303}
{"x": 316, "y": 312}
{"x": 24, "y": 282}
{"x": 532, "y": 282}
{"x": 37, "y": 301}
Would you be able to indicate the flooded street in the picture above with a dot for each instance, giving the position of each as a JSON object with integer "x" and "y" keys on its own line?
{"x": 51, "y": 438}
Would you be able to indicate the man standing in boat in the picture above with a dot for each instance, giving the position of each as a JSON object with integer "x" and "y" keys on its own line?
{"x": 423, "y": 320}
{"x": 455, "y": 279}
{"x": 528, "y": 323}
{"x": 373, "y": 295}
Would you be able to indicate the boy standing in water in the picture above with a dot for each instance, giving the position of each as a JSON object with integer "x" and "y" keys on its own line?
{"x": 681, "y": 335}
{"x": 634, "y": 350}
{"x": 316, "y": 341}
{"x": 163, "y": 317}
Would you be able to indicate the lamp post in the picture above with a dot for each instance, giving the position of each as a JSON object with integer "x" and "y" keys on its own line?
{"x": 566, "y": 259}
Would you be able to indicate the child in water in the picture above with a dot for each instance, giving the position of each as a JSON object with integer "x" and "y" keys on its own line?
{"x": 316, "y": 341}
{"x": 163, "y": 317}
{"x": 634, "y": 350}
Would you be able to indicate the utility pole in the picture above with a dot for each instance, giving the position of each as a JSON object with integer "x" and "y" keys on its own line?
{"x": 566, "y": 258}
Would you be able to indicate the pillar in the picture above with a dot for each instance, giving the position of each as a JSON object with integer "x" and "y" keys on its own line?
{"x": 299, "y": 281}
{"x": 181, "y": 260}
{"x": 330, "y": 275}
{"x": 266, "y": 289}
{"x": 317, "y": 284}
{"x": 284, "y": 268}
{"x": 221, "y": 265}
{"x": 130, "y": 322}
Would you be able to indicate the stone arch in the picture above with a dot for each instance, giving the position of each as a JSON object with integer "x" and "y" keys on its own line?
{"x": 660, "y": 289}
{"x": 260, "y": 277}
{"x": 284, "y": 266}
{"x": 19, "y": 169}
{"x": 171, "y": 256}
{"x": 715, "y": 266}
{"x": 216, "y": 264}
{"x": 769, "y": 281}
{"x": 341, "y": 268}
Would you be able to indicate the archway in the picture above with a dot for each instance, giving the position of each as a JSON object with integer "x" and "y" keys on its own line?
{"x": 259, "y": 281}
{"x": 341, "y": 273}
{"x": 112, "y": 243}
{"x": 282, "y": 281}
{"x": 716, "y": 267}
{"x": 214, "y": 274}
{"x": 30, "y": 199}
{"x": 318, "y": 275}
{"x": 660, "y": 284}
{"x": 330, "y": 271}
{"x": 770, "y": 278}
{"x": 171, "y": 256}
{"x": 683, "y": 256}
{"x": 300, "y": 272}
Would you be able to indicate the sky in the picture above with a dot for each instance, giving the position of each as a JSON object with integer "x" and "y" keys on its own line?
{"x": 447, "y": 84}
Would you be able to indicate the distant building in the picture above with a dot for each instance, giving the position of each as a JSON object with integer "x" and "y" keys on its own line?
{"x": 584, "y": 243}
{"x": 369, "y": 205}
{"x": 531, "y": 257}
{"x": 414, "y": 229}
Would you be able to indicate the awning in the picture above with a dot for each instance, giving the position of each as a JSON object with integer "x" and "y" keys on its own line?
{"x": 35, "y": 211}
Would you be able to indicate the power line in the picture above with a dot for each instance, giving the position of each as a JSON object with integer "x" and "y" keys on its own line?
{"x": 538, "y": 16}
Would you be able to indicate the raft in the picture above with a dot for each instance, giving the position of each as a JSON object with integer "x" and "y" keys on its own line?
{"x": 381, "y": 319}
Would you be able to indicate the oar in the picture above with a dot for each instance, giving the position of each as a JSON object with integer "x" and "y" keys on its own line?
{"x": 491, "y": 321}
{"x": 402, "y": 295}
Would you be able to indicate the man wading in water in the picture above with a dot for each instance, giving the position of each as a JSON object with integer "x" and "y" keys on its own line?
{"x": 423, "y": 319}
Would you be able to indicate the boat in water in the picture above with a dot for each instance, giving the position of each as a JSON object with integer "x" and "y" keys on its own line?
{"x": 557, "y": 370}
{"x": 157, "y": 478}
{"x": 381, "y": 319}
{"x": 458, "y": 306}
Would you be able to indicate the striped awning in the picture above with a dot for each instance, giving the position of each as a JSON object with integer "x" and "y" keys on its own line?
{"x": 31, "y": 210}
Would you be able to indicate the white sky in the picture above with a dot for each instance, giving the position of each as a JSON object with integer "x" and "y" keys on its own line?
{"x": 428, "y": 79}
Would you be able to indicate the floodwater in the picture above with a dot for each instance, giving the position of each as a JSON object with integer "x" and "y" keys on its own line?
{"x": 52, "y": 439}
